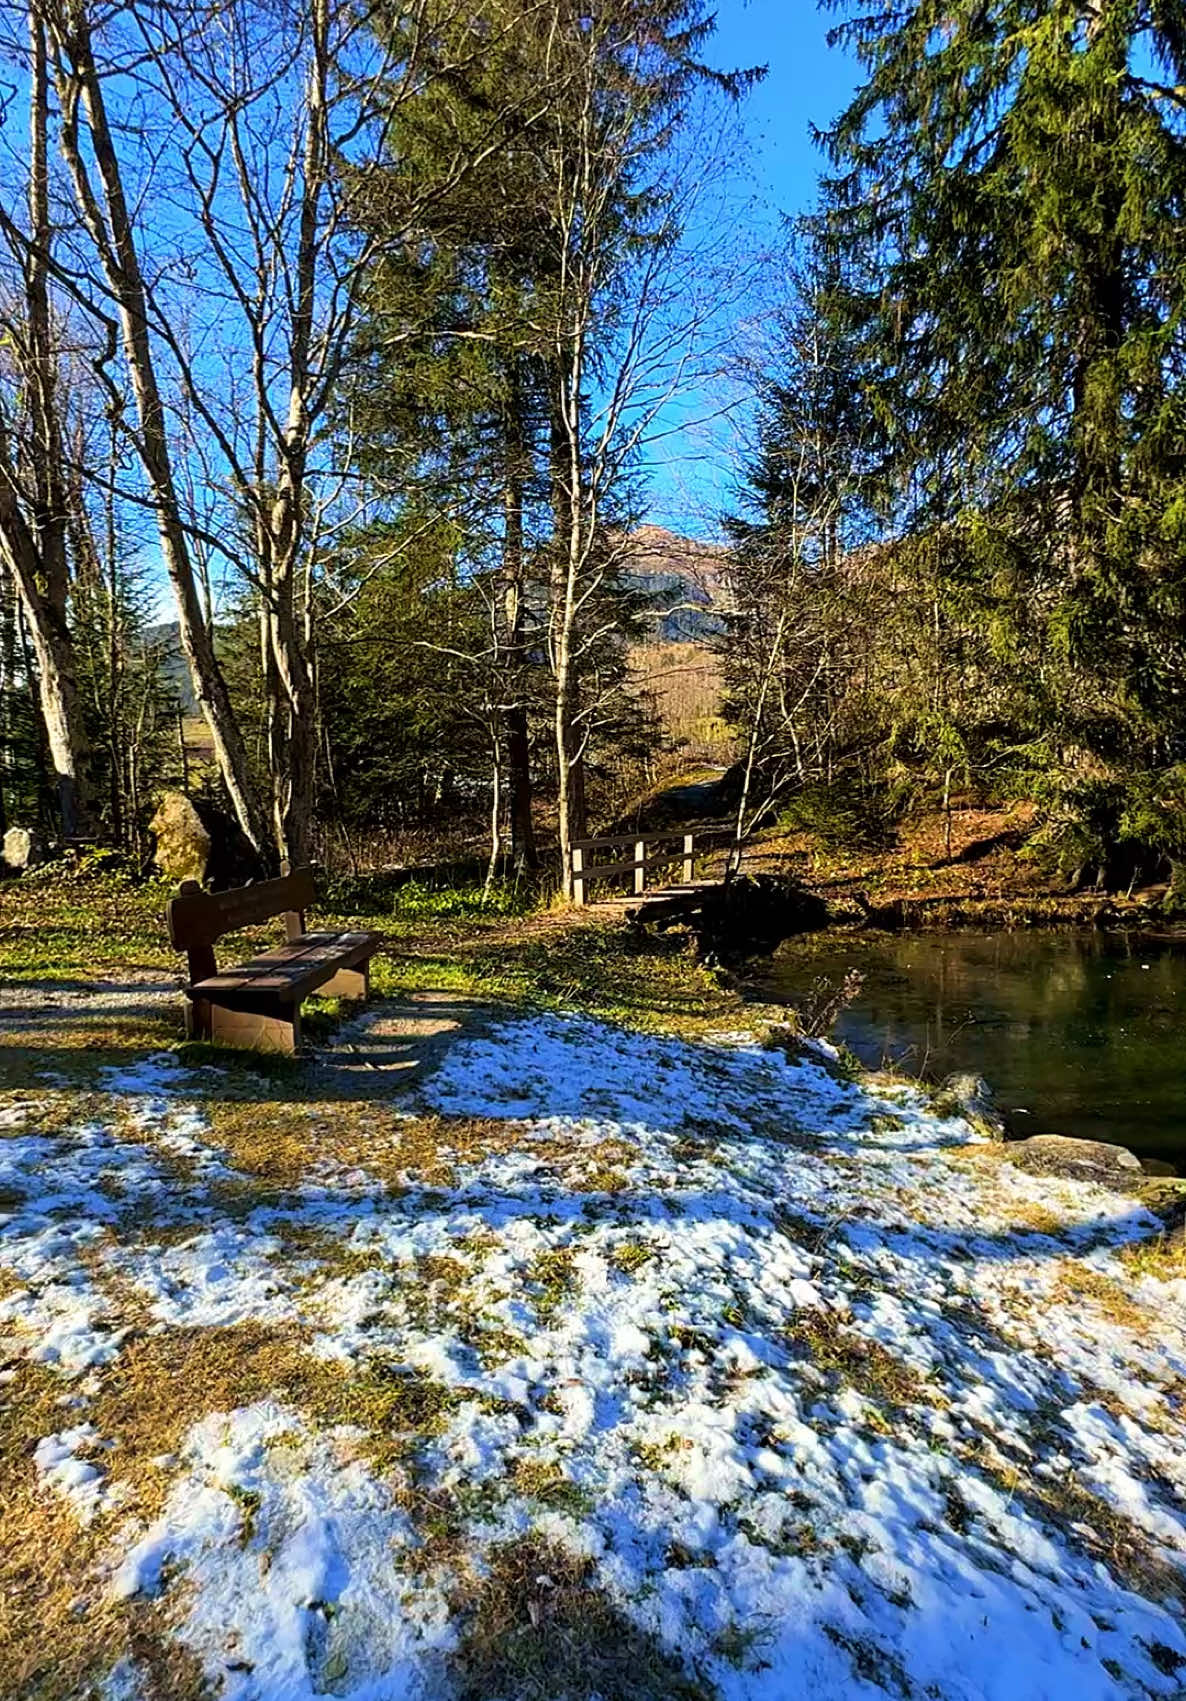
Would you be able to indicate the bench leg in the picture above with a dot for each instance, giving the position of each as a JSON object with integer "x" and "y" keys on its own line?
{"x": 348, "y": 983}
{"x": 278, "y": 1029}
{"x": 197, "y": 1018}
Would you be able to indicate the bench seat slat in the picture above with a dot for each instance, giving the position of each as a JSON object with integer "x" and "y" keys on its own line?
{"x": 290, "y": 971}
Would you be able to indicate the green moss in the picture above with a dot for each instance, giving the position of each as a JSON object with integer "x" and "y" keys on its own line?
{"x": 553, "y": 1278}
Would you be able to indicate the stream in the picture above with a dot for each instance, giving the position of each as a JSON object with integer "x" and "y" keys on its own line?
{"x": 1077, "y": 1033}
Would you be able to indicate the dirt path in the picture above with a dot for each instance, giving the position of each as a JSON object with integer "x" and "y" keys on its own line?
{"x": 403, "y": 1039}
{"x": 388, "y": 1046}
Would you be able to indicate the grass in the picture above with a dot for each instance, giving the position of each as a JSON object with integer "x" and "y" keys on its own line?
{"x": 844, "y": 1358}
{"x": 553, "y": 1280}
{"x": 83, "y": 927}
{"x": 1163, "y": 1256}
{"x": 532, "y": 1622}
{"x": 1077, "y": 1282}
{"x": 59, "y": 1629}
{"x": 1088, "y": 1522}
{"x": 537, "y": 1628}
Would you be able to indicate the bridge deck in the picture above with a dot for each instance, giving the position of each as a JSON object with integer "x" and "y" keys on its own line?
{"x": 684, "y": 899}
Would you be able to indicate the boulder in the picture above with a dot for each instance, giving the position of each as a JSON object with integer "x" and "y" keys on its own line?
{"x": 754, "y": 913}
{"x": 970, "y": 1096}
{"x": 183, "y": 844}
{"x": 23, "y": 848}
{"x": 1077, "y": 1160}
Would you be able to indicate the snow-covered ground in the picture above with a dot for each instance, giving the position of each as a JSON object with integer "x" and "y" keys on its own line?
{"x": 828, "y": 1400}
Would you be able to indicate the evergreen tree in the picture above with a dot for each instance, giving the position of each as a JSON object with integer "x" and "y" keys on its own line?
{"x": 508, "y": 320}
{"x": 1007, "y": 212}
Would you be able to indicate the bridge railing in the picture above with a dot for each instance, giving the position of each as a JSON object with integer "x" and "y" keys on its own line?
{"x": 644, "y": 851}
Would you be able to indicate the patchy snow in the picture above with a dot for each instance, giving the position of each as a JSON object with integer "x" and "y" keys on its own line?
{"x": 297, "y": 1547}
{"x": 67, "y": 1462}
{"x": 826, "y": 1393}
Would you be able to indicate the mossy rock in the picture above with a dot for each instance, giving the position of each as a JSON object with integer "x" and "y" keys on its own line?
{"x": 1078, "y": 1160}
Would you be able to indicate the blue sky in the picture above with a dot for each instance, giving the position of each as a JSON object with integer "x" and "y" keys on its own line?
{"x": 806, "y": 83}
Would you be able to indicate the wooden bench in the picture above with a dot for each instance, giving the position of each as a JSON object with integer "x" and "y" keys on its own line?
{"x": 259, "y": 1003}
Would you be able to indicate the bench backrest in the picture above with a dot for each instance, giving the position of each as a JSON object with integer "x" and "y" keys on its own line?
{"x": 197, "y": 920}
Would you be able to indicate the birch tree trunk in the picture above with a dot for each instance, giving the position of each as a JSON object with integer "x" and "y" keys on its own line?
{"x": 104, "y": 211}
{"x": 518, "y": 748}
{"x": 34, "y": 507}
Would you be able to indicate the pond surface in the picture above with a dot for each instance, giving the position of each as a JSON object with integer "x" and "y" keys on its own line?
{"x": 1076, "y": 1033}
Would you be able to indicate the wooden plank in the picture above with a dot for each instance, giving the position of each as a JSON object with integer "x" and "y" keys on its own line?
{"x": 349, "y": 983}
{"x": 674, "y": 836}
{"x": 290, "y": 971}
{"x": 260, "y": 1030}
{"x": 197, "y": 918}
{"x": 599, "y": 870}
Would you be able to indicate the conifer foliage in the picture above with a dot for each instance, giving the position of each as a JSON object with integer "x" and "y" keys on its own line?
{"x": 1002, "y": 246}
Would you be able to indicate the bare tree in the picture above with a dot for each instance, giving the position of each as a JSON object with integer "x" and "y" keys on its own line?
{"x": 639, "y": 319}
{"x": 33, "y": 499}
{"x": 88, "y": 145}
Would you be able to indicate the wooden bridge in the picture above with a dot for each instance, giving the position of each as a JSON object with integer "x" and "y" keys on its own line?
{"x": 631, "y": 857}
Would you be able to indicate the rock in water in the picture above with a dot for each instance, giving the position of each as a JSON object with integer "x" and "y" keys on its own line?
{"x": 182, "y": 843}
{"x": 972, "y": 1096}
{"x": 1077, "y": 1160}
{"x": 23, "y": 848}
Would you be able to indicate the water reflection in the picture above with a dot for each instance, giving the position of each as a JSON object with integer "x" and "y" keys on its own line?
{"x": 1078, "y": 1033}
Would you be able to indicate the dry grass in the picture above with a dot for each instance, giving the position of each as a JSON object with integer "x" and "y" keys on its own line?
{"x": 1077, "y": 1282}
{"x": 1163, "y": 1257}
{"x": 538, "y": 1629}
{"x": 544, "y": 1481}
{"x": 79, "y": 1048}
{"x": 281, "y": 1140}
{"x": 59, "y": 1631}
{"x": 1089, "y": 1523}
{"x": 1023, "y": 1216}
{"x": 57, "y": 1627}
{"x": 843, "y": 1357}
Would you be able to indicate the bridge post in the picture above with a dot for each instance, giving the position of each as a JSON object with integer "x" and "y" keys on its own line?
{"x": 640, "y": 867}
{"x": 578, "y": 882}
{"x": 689, "y": 866}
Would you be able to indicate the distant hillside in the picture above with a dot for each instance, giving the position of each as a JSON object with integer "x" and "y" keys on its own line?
{"x": 686, "y": 577}
{"x": 678, "y": 662}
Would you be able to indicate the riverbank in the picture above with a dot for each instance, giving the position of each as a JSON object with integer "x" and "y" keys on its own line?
{"x": 557, "y": 1352}
{"x": 993, "y": 875}
{"x": 1078, "y": 1030}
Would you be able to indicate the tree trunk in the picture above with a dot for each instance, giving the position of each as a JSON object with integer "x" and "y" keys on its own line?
{"x": 518, "y": 746}
{"x": 496, "y": 836}
{"x": 293, "y": 745}
{"x": 33, "y": 510}
{"x": 114, "y": 241}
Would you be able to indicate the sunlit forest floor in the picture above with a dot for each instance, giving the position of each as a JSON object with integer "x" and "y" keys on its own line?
{"x": 992, "y": 874}
{"x": 550, "y": 1332}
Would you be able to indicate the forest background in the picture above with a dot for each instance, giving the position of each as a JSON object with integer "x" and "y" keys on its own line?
{"x": 350, "y": 354}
